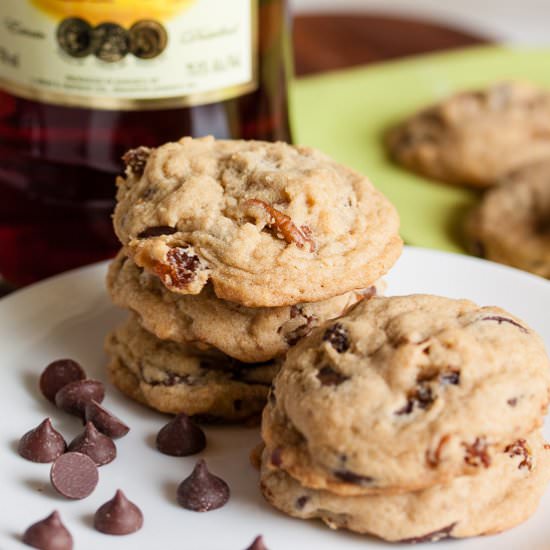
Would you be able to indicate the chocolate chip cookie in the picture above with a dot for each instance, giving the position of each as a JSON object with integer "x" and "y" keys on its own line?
{"x": 403, "y": 393}
{"x": 475, "y": 138}
{"x": 498, "y": 498}
{"x": 175, "y": 378}
{"x": 511, "y": 225}
{"x": 247, "y": 334}
{"x": 266, "y": 224}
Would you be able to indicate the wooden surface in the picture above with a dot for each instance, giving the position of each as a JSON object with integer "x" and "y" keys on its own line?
{"x": 329, "y": 42}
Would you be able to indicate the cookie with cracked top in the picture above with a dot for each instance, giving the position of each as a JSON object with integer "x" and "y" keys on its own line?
{"x": 498, "y": 498}
{"x": 474, "y": 138}
{"x": 511, "y": 225}
{"x": 175, "y": 378}
{"x": 248, "y": 334}
{"x": 267, "y": 224}
{"x": 405, "y": 392}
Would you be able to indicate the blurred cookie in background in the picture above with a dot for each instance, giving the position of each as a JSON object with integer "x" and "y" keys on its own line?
{"x": 474, "y": 138}
{"x": 511, "y": 225}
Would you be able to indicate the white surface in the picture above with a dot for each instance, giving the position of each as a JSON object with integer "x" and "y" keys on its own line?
{"x": 510, "y": 21}
{"x": 69, "y": 316}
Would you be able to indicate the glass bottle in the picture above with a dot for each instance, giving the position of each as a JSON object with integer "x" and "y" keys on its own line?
{"x": 83, "y": 81}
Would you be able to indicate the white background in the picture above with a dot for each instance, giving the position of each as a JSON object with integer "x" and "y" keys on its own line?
{"x": 511, "y": 21}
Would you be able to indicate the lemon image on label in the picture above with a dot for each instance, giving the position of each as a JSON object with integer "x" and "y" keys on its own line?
{"x": 123, "y": 12}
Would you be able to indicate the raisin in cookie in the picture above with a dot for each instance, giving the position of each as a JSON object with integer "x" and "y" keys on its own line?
{"x": 512, "y": 223}
{"x": 267, "y": 224}
{"x": 176, "y": 378}
{"x": 500, "y": 497}
{"x": 405, "y": 392}
{"x": 474, "y": 138}
{"x": 247, "y": 334}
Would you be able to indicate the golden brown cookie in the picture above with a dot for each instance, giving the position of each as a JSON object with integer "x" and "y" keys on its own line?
{"x": 403, "y": 393}
{"x": 475, "y": 138}
{"x": 247, "y": 334}
{"x": 267, "y": 224}
{"x": 498, "y": 498}
{"x": 511, "y": 225}
{"x": 175, "y": 378}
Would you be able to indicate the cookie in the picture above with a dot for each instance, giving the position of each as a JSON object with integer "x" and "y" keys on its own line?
{"x": 175, "y": 378}
{"x": 267, "y": 224}
{"x": 511, "y": 225}
{"x": 247, "y": 334}
{"x": 500, "y": 497}
{"x": 475, "y": 138}
{"x": 403, "y": 393}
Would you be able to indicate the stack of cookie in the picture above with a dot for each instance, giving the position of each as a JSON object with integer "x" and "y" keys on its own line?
{"x": 232, "y": 252}
{"x": 412, "y": 419}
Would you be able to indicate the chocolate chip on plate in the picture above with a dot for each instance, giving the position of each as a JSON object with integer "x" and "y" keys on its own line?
{"x": 118, "y": 516}
{"x": 181, "y": 437}
{"x": 74, "y": 475}
{"x": 74, "y": 397}
{"x": 42, "y": 444}
{"x": 96, "y": 445}
{"x": 58, "y": 374}
{"x": 257, "y": 544}
{"x": 202, "y": 491}
{"x": 105, "y": 421}
{"x": 49, "y": 534}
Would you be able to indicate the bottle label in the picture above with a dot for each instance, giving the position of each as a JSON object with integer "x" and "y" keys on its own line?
{"x": 128, "y": 54}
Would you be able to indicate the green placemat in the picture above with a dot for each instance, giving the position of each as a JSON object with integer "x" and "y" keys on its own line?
{"x": 345, "y": 113}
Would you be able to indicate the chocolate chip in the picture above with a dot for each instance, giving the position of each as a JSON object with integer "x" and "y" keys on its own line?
{"x": 105, "y": 421}
{"x": 258, "y": 544}
{"x": 422, "y": 397}
{"x": 157, "y": 231}
{"x": 181, "y": 437}
{"x": 337, "y": 336}
{"x": 477, "y": 453}
{"x": 136, "y": 159}
{"x": 406, "y": 409}
{"x": 501, "y": 320}
{"x": 451, "y": 377}
{"x": 512, "y": 402}
{"x": 118, "y": 516}
{"x": 58, "y": 374}
{"x": 49, "y": 534}
{"x": 74, "y": 475}
{"x": 74, "y": 397}
{"x": 351, "y": 477}
{"x": 434, "y": 536}
{"x": 301, "y": 502}
{"x": 202, "y": 491}
{"x": 329, "y": 377}
{"x": 172, "y": 379}
{"x": 42, "y": 444}
{"x": 96, "y": 445}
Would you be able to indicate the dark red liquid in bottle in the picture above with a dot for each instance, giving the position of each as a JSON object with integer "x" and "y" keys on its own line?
{"x": 58, "y": 164}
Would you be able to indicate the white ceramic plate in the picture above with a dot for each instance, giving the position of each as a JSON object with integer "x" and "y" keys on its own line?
{"x": 68, "y": 316}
